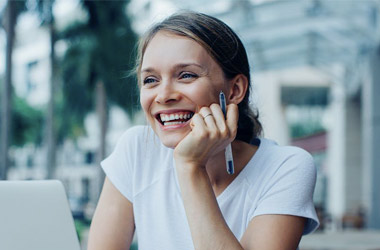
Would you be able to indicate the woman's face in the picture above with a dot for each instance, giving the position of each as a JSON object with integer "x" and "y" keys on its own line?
{"x": 178, "y": 77}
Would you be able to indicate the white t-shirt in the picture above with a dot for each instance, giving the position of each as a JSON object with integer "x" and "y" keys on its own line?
{"x": 277, "y": 180}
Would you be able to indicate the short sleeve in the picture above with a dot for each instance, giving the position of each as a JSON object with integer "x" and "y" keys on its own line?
{"x": 118, "y": 166}
{"x": 290, "y": 190}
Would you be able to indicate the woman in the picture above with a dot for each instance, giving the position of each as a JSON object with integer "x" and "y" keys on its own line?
{"x": 168, "y": 182}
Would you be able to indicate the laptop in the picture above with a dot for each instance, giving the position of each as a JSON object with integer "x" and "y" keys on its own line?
{"x": 35, "y": 215}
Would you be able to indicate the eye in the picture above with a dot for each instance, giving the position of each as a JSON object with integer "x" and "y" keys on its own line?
{"x": 187, "y": 75}
{"x": 149, "y": 80}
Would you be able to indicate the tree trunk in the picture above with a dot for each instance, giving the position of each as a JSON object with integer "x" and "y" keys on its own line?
{"x": 6, "y": 92}
{"x": 101, "y": 109}
{"x": 50, "y": 124}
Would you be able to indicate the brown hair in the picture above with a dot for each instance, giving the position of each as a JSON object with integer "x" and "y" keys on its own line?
{"x": 223, "y": 45}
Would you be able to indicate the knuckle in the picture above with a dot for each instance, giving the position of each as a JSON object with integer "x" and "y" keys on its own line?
{"x": 214, "y": 134}
{"x": 225, "y": 132}
{"x": 233, "y": 133}
{"x": 214, "y": 106}
{"x": 202, "y": 135}
{"x": 195, "y": 116}
{"x": 233, "y": 106}
{"x": 204, "y": 110}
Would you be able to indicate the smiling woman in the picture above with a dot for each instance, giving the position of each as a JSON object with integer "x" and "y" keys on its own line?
{"x": 177, "y": 77}
{"x": 176, "y": 194}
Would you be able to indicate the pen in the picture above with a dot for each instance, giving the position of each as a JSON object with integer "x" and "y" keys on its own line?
{"x": 228, "y": 151}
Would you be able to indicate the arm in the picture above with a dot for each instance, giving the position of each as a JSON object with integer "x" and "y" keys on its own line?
{"x": 112, "y": 226}
{"x": 266, "y": 232}
{"x": 210, "y": 231}
{"x": 207, "y": 139}
{"x": 207, "y": 225}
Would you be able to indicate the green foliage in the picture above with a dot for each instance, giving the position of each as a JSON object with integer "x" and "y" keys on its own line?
{"x": 113, "y": 51}
{"x": 69, "y": 124}
{"x": 99, "y": 49}
{"x": 18, "y": 7}
{"x": 26, "y": 123}
{"x": 81, "y": 226}
{"x": 45, "y": 11}
{"x": 76, "y": 72}
{"x": 134, "y": 246}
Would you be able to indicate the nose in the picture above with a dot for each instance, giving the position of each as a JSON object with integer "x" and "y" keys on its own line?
{"x": 167, "y": 93}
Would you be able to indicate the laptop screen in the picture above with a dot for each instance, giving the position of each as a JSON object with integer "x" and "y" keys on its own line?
{"x": 36, "y": 215}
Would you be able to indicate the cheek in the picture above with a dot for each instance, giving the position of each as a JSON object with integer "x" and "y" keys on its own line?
{"x": 206, "y": 93}
{"x": 145, "y": 100}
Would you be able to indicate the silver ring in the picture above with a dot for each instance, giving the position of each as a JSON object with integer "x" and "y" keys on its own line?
{"x": 206, "y": 116}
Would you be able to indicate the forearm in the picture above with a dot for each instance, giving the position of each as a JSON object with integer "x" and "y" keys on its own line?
{"x": 207, "y": 225}
{"x": 112, "y": 226}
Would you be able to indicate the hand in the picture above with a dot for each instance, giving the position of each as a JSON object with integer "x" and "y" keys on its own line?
{"x": 210, "y": 134}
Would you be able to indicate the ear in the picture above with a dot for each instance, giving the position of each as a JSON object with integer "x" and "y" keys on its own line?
{"x": 238, "y": 88}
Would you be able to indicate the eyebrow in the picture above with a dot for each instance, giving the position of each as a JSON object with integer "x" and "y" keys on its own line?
{"x": 177, "y": 66}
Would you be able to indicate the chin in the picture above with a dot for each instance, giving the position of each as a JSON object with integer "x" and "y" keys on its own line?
{"x": 170, "y": 141}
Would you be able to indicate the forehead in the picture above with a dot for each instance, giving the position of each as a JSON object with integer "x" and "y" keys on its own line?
{"x": 167, "y": 48}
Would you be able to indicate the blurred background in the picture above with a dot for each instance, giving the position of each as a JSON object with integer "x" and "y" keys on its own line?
{"x": 67, "y": 94}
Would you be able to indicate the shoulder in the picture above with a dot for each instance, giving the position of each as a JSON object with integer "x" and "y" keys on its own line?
{"x": 141, "y": 142}
{"x": 290, "y": 166}
{"x": 136, "y": 135}
{"x": 136, "y": 132}
{"x": 282, "y": 152}
{"x": 286, "y": 181}
{"x": 126, "y": 145}
{"x": 134, "y": 141}
{"x": 285, "y": 155}
{"x": 273, "y": 163}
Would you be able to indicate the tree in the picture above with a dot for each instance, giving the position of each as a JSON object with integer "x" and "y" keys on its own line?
{"x": 45, "y": 9}
{"x": 26, "y": 122}
{"x": 100, "y": 50}
{"x": 13, "y": 9}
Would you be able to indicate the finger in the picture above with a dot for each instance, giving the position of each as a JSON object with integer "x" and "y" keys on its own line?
{"x": 197, "y": 123}
{"x": 208, "y": 118}
{"x": 205, "y": 111}
{"x": 200, "y": 129}
{"x": 232, "y": 118}
{"x": 219, "y": 119}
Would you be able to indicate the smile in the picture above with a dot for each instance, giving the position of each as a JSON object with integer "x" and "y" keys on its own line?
{"x": 174, "y": 118}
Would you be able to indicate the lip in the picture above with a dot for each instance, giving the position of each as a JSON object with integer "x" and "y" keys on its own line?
{"x": 174, "y": 126}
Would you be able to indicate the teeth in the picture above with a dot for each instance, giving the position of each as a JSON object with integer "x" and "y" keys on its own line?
{"x": 172, "y": 123}
{"x": 171, "y": 117}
